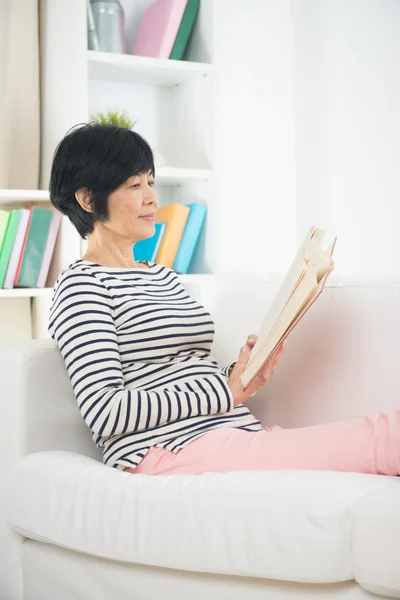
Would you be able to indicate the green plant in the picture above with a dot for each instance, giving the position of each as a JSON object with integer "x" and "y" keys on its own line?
{"x": 115, "y": 117}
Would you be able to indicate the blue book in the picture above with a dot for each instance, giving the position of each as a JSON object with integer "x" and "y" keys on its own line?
{"x": 148, "y": 249}
{"x": 190, "y": 237}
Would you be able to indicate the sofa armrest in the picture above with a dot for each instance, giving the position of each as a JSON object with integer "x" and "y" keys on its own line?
{"x": 38, "y": 402}
{"x": 38, "y": 411}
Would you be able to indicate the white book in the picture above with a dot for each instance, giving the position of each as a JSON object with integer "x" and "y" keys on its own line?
{"x": 302, "y": 285}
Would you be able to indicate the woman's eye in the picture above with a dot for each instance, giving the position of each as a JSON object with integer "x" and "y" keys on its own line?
{"x": 135, "y": 186}
{"x": 151, "y": 183}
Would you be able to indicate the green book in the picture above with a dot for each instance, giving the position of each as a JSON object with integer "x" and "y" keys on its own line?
{"x": 35, "y": 246}
{"x": 185, "y": 29}
{"x": 8, "y": 244}
{"x": 4, "y": 217}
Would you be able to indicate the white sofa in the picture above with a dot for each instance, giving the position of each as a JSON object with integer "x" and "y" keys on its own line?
{"x": 73, "y": 529}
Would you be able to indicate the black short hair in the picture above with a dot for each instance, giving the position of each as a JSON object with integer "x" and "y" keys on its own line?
{"x": 101, "y": 158}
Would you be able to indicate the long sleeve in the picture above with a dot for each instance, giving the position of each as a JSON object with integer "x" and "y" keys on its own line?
{"x": 83, "y": 326}
{"x": 226, "y": 368}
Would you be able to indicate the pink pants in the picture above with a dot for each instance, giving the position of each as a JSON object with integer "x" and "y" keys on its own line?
{"x": 370, "y": 444}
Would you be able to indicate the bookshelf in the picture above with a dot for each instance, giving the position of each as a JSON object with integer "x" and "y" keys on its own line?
{"x": 165, "y": 176}
{"x": 179, "y": 176}
{"x": 17, "y": 197}
{"x": 173, "y": 102}
{"x": 125, "y": 68}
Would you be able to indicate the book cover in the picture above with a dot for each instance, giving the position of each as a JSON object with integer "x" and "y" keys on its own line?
{"x": 185, "y": 29}
{"x": 48, "y": 252}
{"x": 190, "y": 237}
{"x": 4, "y": 217}
{"x": 9, "y": 239}
{"x": 175, "y": 217}
{"x": 159, "y": 28}
{"x": 17, "y": 247}
{"x": 34, "y": 248}
{"x": 22, "y": 248}
{"x": 148, "y": 249}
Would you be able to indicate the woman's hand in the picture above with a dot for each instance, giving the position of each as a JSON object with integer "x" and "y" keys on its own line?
{"x": 241, "y": 394}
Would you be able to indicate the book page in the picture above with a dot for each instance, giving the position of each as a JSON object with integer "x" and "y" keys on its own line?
{"x": 310, "y": 300}
{"x": 277, "y": 335}
{"x": 293, "y": 307}
{"x": 295, "y": 273}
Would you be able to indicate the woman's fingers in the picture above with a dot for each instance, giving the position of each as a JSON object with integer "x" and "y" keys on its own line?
{"x": 269, "y": 368}
{"x": 251, "y": 341}
{"x": 245, "y": 352}
{"x": 239, "y": 393}
{"x": 243, "y": 358}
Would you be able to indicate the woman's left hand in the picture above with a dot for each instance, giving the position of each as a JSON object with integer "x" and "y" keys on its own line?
{"x": 268, "y": 369}
{"x": 262, "y": 376}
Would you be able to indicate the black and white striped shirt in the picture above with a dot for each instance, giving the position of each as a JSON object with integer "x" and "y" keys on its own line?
{"x": 137, "y": 350}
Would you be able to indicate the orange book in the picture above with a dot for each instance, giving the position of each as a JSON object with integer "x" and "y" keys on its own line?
{"x": 175, "y": 217}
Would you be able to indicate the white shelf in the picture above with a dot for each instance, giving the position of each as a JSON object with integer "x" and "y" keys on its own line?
{"x": 11, "y": 196}
{"x": 26, "y": 293}
{"x": 176, "y": 176}
{"x": 126, "y": 68}
{"x": 164, "y": 176}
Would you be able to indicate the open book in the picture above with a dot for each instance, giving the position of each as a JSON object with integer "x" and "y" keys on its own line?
{"x": 302, "y": 285}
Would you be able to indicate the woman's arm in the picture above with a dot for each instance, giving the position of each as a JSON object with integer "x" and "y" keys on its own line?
{"x": 82, "y": 324}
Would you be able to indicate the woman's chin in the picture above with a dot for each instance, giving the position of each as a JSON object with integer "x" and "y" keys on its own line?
{"x": 147, "y": 231}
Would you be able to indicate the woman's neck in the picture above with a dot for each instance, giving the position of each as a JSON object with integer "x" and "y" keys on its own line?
{"x": 114, "y": 259}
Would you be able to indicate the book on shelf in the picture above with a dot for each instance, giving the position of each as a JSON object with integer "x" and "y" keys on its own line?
{"x": 190, "y": 237}
{"x": 25, "y": 215}
{"x": 6, "y": 248}
{"x": 302, "y": 285}
{"x": 163, "y": 24}
{"x": 4, "y": 217}
{"x": 148, "y": 249}
{"x": 174, "y": 216}
{"x": 185, "y": 29}
{"x": 49, "y": 249}
{"x": 28, "y": 247}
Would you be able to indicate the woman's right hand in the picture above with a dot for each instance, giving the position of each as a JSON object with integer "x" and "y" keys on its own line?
{"x": 241, "y": 394}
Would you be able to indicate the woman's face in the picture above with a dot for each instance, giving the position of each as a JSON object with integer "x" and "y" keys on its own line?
{"x": 132, "y": 208}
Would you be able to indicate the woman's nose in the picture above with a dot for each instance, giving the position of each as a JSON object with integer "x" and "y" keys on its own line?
{"x": 150, "y": 197}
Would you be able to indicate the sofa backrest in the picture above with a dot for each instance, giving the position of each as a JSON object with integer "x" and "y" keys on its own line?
{"x": 342, "y": 360}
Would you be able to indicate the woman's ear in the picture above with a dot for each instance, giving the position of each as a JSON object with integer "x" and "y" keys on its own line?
{"x": 84, "y": 199}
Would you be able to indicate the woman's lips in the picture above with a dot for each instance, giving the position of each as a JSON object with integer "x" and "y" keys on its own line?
{"x": 149, "y": 218}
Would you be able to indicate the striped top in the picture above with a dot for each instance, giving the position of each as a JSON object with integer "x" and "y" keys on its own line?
{"x": 137, "y": 350}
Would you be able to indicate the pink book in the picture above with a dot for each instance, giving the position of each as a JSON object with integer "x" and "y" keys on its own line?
{"x": 159, "y": 28}
{"x": 48, "y": 252}
{"x": 17, "y": 248}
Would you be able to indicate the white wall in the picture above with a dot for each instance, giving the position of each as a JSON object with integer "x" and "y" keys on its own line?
{"x": 347, "y": 90}
{"x": 255, "y": 135}
{"x": 308, "y": 130}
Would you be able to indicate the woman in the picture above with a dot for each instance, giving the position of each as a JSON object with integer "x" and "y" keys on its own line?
{"x": 137, "y": 347}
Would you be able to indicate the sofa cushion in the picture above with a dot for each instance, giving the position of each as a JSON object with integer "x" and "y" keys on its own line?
{"x": 287, "y": 525}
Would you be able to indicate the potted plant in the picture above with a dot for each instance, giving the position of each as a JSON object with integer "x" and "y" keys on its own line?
{"x": 115, "y": 117}
{"x": 121, "y": 119}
